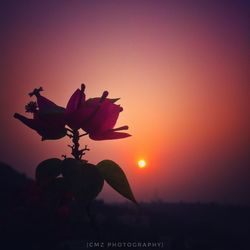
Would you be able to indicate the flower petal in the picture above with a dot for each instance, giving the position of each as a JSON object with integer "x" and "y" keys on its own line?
{"x": 109, "y": 112}
{"x": 104, "y": 118}
{"x": 73, "y": 101}
{"x": 47, "y": 106}
{"x": 72, "y": 116}
{"x": 82, "y": 114}
{"x": 31, "y": 123}
{"x": 77, "y": 99}
{"x": 75, "y": 119}
{"x": 52, "y": 133}
{"x": 48, "y": 129}
{"x": 108, "y": 135}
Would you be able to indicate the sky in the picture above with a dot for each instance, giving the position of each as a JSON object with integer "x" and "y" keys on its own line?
{"x": 181, "y": 69}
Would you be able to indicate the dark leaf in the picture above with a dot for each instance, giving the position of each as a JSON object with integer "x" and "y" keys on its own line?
{"x": 55, "y": 191}
{"x": 71, "y": 168}
{"x": 47, "y": 171}
{"x": 116, "y": 178}
{"x": 83, "y": 179}
{"x": 91, "y": 183}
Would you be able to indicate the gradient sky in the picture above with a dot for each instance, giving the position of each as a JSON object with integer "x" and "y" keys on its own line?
{"x": 181, "y": 69}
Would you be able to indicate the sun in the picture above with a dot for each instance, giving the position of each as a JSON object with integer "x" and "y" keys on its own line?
{"x": 141, "y": 163}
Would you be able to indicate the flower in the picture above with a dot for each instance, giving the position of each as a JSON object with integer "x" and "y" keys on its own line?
{"x": 48, "y": 118}
{"x": 73, "y": 111}
{"x": 96, "y": 116}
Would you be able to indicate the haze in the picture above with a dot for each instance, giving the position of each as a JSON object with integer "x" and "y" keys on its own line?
{"x": 181, "y": 70}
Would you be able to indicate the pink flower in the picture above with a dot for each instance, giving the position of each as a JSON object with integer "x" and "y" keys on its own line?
{"x": 48, "y": 118}
{"x": 96, "y": 116}
{"x": 73, "y": 110}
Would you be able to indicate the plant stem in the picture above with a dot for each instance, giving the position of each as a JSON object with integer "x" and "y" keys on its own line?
{"x": 75, "y": 148}
{"x": 76, "y": 152}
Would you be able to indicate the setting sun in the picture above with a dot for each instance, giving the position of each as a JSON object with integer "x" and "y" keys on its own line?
{"x": 141, "y": 163}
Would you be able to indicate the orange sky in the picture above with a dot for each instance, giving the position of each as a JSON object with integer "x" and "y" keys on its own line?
{"x": 180, "y": 70}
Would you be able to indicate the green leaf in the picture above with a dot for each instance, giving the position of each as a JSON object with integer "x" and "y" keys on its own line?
{"x": 116, "y": 178}
{"x": 47, "y": 171}
{"x": 83, "y": 179}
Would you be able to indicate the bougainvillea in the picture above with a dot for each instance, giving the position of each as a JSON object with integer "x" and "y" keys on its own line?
{"x": 74, "y": 177}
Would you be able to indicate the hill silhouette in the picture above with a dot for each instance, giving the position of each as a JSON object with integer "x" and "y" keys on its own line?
{"x": 27, "y": 221}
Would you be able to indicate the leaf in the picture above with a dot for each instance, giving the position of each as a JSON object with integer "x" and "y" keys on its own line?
{"x": 116, "y": 178}
{"x": 71, "y": 171}
{"x": 83, "y": 179}
{"x": 55, "y": 191}
{"x": 91, "y": 183}
{"x": 71, "y": 168}
{"x": 47, "y": 171}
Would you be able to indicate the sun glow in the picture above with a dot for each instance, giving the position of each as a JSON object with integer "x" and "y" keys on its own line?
{"x": 141, "y": 163}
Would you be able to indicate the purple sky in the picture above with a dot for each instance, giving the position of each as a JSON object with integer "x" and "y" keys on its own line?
{"x": 181, "y": 69}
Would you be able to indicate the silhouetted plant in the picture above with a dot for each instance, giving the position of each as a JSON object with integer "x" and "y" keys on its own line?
{"x": 74, "y": 179}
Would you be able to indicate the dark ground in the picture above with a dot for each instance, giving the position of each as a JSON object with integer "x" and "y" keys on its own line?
{"x": 27, "y": 222}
